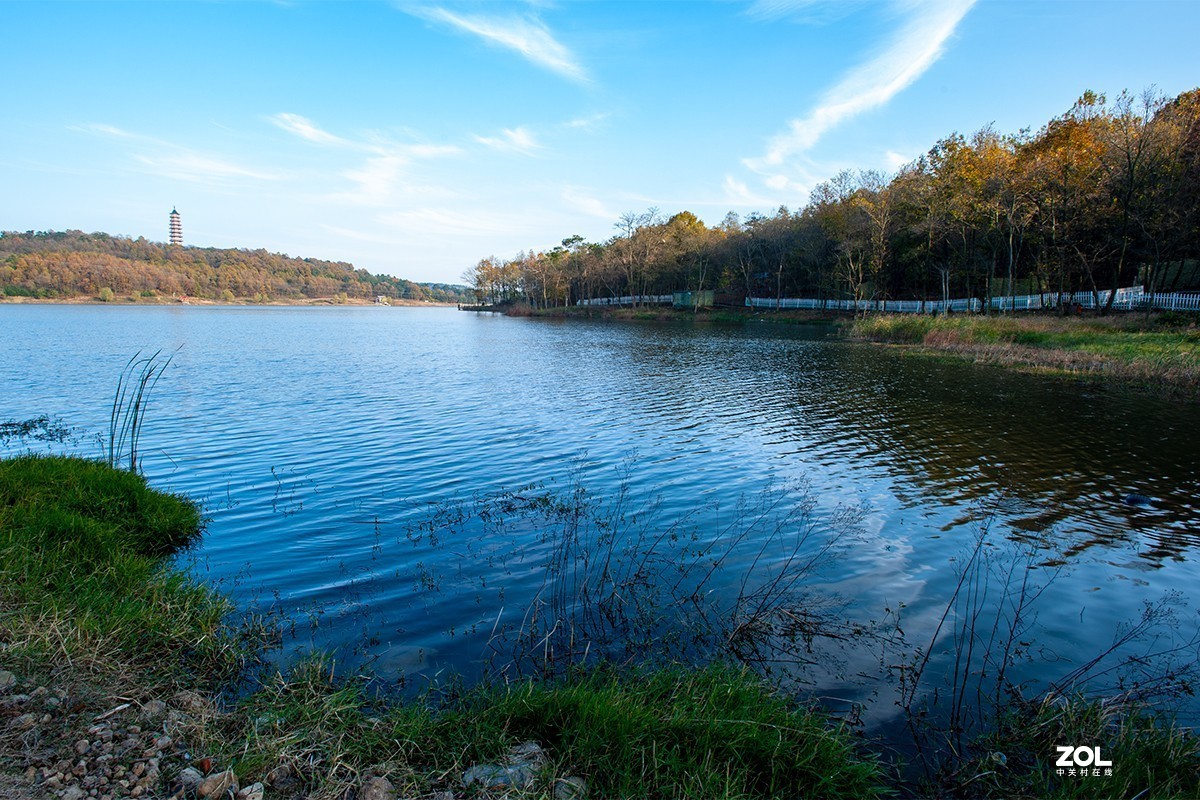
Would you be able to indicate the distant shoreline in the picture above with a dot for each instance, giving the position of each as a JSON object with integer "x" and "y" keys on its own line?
{"x": 84, "y": 300}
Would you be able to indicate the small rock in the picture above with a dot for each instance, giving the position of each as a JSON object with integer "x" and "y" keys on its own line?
{"x": 162, "y": 742}
{"x": 527, "y": 753}
{"x": 23, "y": 722}
{"x": 7, "y": 680}
{"x": 217, "y": 785}
{"x": 153, "y": 708}
{"x": 190, "y": 779}
{"x": 281, "y": 777}
{"x": 254, "y": 791}
{"x": 189, "y": 701}
{"x": 570, "y": 788}
{"x": 74, "y": 793}
{"x": 377, "y": 789}
{"x": 40, "y": 691}
{"x": 82, "y": 746}
{"x": 496, "y": 776}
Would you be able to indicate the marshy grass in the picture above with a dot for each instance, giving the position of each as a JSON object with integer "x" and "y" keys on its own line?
{"x": 1164, "y": 349}
{"x": 1150, "y": 757}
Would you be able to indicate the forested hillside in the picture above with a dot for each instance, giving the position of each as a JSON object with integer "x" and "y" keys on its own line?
{"x": 1106, "y": 195}
{"x": 72, "y": 263}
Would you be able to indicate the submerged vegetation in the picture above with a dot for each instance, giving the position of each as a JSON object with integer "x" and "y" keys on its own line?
{"x": 91, "y": 607}
{"x": 92, "y": 610}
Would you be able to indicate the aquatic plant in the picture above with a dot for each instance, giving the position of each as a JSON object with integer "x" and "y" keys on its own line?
{"x": 134, "y": 385}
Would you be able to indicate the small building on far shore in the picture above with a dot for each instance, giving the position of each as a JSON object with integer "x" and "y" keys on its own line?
{"x": 689, "y": 299}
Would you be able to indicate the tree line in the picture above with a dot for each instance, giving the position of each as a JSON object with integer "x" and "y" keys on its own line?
{"x": 50, "y": 264}
{"x": 1104, "y": 196}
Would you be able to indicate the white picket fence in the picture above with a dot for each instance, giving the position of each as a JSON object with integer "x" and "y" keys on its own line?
{"x": 629, "y": 300}
{"x": 1128, "y": 299}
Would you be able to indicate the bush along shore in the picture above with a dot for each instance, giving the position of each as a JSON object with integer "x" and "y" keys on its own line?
{"x": 120, "y": 677}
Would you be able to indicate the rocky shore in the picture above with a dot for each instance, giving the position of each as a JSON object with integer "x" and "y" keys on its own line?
{"x": 63, "y": 745}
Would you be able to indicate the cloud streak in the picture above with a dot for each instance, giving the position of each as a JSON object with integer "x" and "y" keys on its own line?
{"x": 177, "y": 162}
{"x": 918, "y": 44}
{"x": 518, "y": 140}
{"x": 306, "y": 129}
{"x": 528, "y": 37}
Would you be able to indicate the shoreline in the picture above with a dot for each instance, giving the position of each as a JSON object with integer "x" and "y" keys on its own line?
{"x": 85, "y": 300}
{"x": 1158, "y": 353}
{"x": 122, "y": 678}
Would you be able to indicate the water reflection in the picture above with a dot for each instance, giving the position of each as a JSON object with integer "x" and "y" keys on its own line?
{"x": 317, "y": 436}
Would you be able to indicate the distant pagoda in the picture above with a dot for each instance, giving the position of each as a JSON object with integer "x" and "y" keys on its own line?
{"x": 176, "y": 228}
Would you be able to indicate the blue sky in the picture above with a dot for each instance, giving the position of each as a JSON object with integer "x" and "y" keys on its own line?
{"x": 414, "y": 138}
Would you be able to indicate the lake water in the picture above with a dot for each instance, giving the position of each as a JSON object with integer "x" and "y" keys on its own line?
{"x": 318, "y": 438}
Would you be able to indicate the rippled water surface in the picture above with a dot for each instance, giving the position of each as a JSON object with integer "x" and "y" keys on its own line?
{"x": 317, "y": 437}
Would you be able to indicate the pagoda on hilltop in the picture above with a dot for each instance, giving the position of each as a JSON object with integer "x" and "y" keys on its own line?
{"x": 176, "y": 228}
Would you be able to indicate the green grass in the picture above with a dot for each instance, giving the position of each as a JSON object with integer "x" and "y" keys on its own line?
{"x": 81, "y": 564}
{"x": 1151, "y": 758}
{"x": 712, "y": 733}
{"x": 1162, "y": 349}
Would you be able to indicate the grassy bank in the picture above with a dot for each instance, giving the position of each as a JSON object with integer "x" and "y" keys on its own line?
{"x": 115, "y": 679}
{"x": 113, "y": 666}
{"x": 1163, "y": 349}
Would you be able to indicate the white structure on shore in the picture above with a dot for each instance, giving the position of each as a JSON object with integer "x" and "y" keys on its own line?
{"x": 176, "y": 228}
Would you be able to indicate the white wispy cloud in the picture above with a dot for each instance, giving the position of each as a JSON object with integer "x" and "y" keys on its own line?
{"x": 739, "y": 194}
{"x": 916, "y": 46}
{"x": 526, "y": 35}
{"x": 592, "y": 206}
{"x": 588, "y": 123}
{"x": 105, "y": 130}
{"x": 196, "y": 167}
{"x": 518, "y": 140}
{"x": 431, "y": 221}
{"x": 306, "y": 129}
{"x": 175, "y": 161}
{"x": 808, "y": 11}
{"x": 382, "y": 176}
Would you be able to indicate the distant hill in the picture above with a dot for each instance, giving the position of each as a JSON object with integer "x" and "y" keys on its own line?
{"x": 49, "y": 264}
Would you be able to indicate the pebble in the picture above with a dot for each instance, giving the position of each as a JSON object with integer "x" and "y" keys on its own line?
{"x": 570, "y": 788}
{"x": 7, "y": 680}
{"x": 24, "y": 722}
{"x": 377, "y": 789}
{"x": 218, "y": 784}
{"x": 254, "y": 791}
{"x": 153, "y": 708}
{"x": 190, "y": 779}
{"x": 82, "y": 746}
